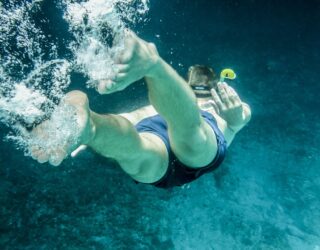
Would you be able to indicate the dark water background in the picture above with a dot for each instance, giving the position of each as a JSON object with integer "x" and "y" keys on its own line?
{"x": 266, "y": 194}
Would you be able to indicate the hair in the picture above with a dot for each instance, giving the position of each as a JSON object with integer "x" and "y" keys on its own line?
{"x": 201, "y": 78}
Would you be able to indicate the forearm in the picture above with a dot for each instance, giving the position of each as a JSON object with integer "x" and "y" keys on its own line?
{"x": 170, "y": 95}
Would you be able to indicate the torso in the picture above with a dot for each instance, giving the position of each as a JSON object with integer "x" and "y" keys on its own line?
{"x": 139, "y": 114}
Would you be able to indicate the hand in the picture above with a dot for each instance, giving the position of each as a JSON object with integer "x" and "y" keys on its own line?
{"x": 137, "y": 61}
{"x": 230, "y": 107}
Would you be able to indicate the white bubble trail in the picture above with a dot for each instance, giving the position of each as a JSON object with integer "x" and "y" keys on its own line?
{"x": 33, "y": 79}
{"x": 99, "y": 29}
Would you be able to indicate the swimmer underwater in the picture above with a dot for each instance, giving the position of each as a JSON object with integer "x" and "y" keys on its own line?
{"x": 182, "y": 135}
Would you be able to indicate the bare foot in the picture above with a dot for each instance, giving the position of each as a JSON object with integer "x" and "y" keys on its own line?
{"x": 136, "y": 61}
{"x": 69, "y": 126}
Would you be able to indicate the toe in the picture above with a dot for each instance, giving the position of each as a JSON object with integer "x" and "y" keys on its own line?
{"x": 35, "y": 152}
{"x": 42, "y": 157}
{"x": 105, "y": 86}
{"x": 57, "y": 157}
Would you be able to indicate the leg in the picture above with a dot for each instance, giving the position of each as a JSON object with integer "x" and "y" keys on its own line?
{"x": 144, "y": 157}
{"x": 192, "y": 140}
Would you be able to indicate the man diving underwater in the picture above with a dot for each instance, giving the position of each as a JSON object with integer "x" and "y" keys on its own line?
{"x": 183, "y": 134}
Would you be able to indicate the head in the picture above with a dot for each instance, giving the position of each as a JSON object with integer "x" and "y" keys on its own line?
{"x": 202, "y": 79}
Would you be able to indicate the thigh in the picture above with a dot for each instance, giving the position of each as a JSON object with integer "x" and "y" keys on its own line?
{"x": 194, "y": 147}
{"x": 151, "y": 162}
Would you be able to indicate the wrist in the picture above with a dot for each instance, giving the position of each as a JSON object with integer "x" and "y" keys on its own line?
{"x": 236, "y": 127}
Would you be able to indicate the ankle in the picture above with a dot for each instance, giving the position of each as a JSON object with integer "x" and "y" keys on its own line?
{"x": 89, "y": 132}
{"x": 156, "y": 68}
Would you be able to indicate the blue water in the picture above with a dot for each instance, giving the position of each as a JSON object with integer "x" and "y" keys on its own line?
{"x": 266, "y": 195}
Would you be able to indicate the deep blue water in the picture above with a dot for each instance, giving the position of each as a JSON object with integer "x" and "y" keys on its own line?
{"x": 267, "y": 193}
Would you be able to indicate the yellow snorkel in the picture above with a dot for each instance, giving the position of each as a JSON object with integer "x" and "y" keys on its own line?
{"x": 227, "y": 74}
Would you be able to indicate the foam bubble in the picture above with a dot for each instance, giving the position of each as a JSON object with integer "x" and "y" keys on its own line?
{"x": 99, "y": 29}
{"x": 33, "y": 79}
{"x": 62, "y": 131}
{"x": 16, "y": 105}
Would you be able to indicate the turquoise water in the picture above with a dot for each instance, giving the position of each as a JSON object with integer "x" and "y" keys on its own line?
{"x": 264, "y": 196}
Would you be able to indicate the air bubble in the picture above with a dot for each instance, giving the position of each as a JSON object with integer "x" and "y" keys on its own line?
{"x": 33, "y": 79}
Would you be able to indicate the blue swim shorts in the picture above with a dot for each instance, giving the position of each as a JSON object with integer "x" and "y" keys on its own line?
{"x": 179, "y": 174}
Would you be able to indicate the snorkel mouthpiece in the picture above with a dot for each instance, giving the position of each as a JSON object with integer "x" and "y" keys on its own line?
{"x": 227, "y": 74}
